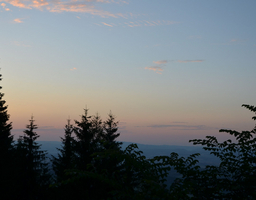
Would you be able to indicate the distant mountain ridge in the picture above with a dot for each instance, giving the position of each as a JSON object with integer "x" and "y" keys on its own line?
{"x": 150, "y": 151}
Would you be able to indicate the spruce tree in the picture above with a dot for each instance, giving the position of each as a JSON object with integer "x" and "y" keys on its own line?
{"x": 110, "y": 127}
{"x": 108, "y": 164}
{"x": 84, "y": 145}
{"x": 8, "y": 178}
{"x": 6, "y": 149}
{"x": 6, "y": 139}
{"x": 97, "y": 132}
{"x": 36, "y": 168}
{"x": 65, "y": 158}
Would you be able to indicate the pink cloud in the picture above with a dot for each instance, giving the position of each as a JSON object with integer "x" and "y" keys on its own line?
{"x": 155, "y": 68}
{"x": 39, "y": 4}
{"x": 106, "y": 24}
{"x": 81, "y": 6}
{"x": 18, "y": 20}
{"x": 160, "y": 62}
{"x": 17, "y": 3}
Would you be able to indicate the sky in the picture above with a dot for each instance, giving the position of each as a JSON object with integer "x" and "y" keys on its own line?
{"x": 169, "y": 70}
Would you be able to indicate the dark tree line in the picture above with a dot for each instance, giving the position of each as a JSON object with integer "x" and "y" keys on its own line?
{"x": 92, "y": 165}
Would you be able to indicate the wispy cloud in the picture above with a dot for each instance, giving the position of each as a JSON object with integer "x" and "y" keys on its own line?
{"x": 160, "y": 62}
{"x": 73, "y": 69}
{"x": 18, "y": 20}
{"x": 80, "y": 6}
{"x": 155, "y": 68}
{"x": 107, "y": 24}
{"x": 183, "y": 127}
{"x": 140, "y": 23}
{"x": 158, "y": 69}
{"x": 186, "y": 61}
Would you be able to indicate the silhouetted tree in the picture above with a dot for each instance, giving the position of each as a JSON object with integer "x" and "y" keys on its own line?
{"x": 89, "y": 142}
{"x": 109, "y": 146}
{"x": 97, "y": 131}
{"x": 84, "y": 145}
{"x": 65, "y": 158}
{"x": 6, "y": 139}
{"x": 137, "y": 177}
{"x": 36, "y": 166}
{"x": 87, "y": 132}
{"x": 6, "y": 149}
{"x": 110, "y": 127}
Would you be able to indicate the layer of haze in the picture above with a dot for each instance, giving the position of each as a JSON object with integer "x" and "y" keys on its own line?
{"x": 168, "y": 70}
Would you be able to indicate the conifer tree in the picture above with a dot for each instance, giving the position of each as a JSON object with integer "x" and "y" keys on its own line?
{"x": 36, "y": 167}
{"x": 65, "y": 158}
{"x": 6, "y": 149}
{"x": 97, "y": 132}
{"x": 109, "y": 164}
{"x": 84, "y": 145}
{"x": 6, "y": 139}
{"x": 110, "y": 127}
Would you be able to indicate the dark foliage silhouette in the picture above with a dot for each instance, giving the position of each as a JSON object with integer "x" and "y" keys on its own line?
{"x": 35, "y": 167}
{"x": 7, "y": 175}
{"x": 65, "y": 158}
{"x": 233, "y": 178}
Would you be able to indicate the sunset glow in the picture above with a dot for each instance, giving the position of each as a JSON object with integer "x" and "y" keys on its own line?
{"x": 168, "y": 70}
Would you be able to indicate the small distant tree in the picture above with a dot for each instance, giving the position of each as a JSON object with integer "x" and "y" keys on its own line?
{"x": 35, "y": 168}
{"x": 65, "y": 158}
{"x": 110, "y": 127}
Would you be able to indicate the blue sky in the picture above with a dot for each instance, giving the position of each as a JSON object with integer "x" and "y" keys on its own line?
{"x": 169, "y": 70}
